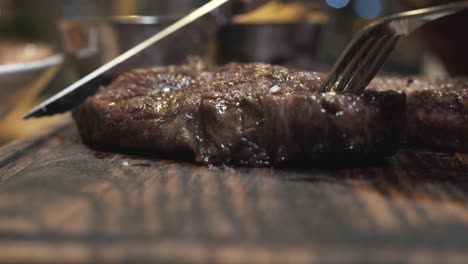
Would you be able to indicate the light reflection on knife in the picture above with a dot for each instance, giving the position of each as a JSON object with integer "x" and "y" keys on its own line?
{"x": 78, "y": 91}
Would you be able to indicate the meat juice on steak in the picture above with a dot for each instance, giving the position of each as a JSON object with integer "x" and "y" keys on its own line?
{"x": 437, "y": 111}
{"x": 245, "y": 114}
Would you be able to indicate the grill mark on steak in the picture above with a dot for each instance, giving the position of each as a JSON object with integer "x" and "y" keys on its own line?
{"x": 246, "y": 114}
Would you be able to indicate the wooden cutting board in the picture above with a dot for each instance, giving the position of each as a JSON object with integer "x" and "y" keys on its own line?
{"x": 63, "y": 202}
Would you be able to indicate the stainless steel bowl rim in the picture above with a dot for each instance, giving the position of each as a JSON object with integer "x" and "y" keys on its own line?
{"x": 31, "y": 65}
{"x": 137, "y": 20}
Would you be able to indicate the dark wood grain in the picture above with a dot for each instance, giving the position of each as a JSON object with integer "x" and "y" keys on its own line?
{"x": 63, "y": 202}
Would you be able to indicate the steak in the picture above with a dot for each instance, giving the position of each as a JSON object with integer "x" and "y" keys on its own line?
{"x": 245, "y": 114}
{"x": 437, "y": 111}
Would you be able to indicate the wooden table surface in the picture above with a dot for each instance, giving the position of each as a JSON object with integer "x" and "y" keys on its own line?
{"x": 63, "y": 202}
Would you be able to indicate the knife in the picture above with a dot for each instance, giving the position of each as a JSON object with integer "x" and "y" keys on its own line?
{"x": 78, "y": 91}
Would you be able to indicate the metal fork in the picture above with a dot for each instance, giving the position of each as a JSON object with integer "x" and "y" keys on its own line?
{"x": 364, "y": 56}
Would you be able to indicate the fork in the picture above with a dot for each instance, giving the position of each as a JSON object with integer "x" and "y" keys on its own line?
{"x": 369, "y": 50}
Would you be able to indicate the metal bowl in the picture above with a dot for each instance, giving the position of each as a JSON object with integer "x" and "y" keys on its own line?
{"x": 292, "y": 44}
{"x": 26, "y": 64}
{"x": 91, "y": 42}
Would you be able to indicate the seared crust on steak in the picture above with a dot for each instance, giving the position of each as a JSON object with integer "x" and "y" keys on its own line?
{"x": 437, "y": 111}
{"x": 246, "y": 114}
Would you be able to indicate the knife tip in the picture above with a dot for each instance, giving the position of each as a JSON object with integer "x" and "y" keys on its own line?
{"x": 28, "y": 115}
{"x": 35, "y": 112}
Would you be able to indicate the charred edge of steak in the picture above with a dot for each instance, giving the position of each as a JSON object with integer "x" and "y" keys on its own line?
{"x": 437, "y": 111}
{"x": 245, "y": 114}
{"x": 438, "y": 124}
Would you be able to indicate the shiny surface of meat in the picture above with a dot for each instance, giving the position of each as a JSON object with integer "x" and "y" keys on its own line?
{"x": 437, "y": 111}
{"x": 245, "y": 114}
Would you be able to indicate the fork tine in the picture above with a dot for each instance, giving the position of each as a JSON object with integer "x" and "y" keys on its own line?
{"x": 363, "y": 63}
{"x": 375, "y": 66}
{"x": 349, "y": 67}
{"x": 342, "y": 62}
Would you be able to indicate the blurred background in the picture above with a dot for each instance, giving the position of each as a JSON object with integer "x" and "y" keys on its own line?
{"x": 307, "y": 34}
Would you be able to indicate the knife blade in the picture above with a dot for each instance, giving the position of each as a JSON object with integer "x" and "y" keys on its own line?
{"x": 78, "y": 91}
